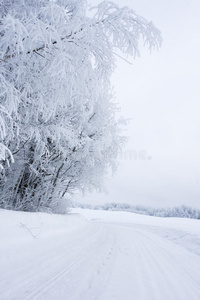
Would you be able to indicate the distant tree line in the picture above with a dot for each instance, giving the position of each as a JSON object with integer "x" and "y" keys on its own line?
{"x": 177, "y": 211}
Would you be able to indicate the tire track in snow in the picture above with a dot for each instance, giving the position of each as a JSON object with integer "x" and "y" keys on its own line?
{"x": 156, "y": 269}
{"x": 92, "y": 274}
{"x": 82, "y": 254}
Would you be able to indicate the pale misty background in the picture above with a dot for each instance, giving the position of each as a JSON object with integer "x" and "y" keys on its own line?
{"x": 160, "y": 165}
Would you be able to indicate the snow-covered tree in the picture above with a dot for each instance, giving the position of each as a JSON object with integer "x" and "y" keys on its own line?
{"x": 58, "y": 130}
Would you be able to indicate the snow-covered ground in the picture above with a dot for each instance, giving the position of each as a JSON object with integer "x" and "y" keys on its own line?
{"x": 102, "y": 255}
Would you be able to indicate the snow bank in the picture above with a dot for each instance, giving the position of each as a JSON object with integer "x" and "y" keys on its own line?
{"x": 22, "y": 227}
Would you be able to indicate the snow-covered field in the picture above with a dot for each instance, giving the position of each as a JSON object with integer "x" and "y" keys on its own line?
{"x": 102, "y": 255}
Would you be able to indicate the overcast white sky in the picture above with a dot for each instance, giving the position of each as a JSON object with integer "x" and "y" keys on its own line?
{"x": 160, "y": 92}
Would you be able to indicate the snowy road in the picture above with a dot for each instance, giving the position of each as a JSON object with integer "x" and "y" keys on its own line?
{"x": 97, "y": 258}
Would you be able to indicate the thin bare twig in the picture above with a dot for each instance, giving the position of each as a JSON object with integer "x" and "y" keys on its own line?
{"x": 33, "y": 235}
